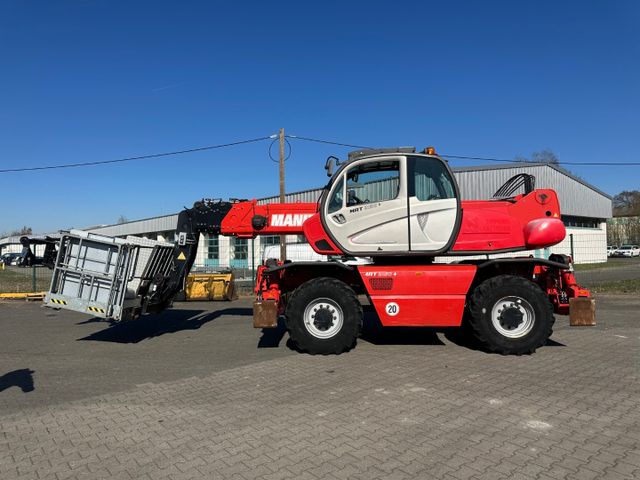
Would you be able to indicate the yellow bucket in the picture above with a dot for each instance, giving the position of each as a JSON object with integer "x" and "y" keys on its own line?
{"x": 209, "y": 286}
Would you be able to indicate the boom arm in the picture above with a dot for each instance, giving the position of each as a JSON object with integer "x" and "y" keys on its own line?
{"x": 242, "y": 219}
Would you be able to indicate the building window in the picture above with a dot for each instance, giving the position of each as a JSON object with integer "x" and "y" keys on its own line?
{"x": 239, "y": 253}
{"x": 212, "y": 258}
{"x": 213, "y": 248}
{"x": 240, "y": 249}
{"x": 581, "y": 222}
{"x": 270, "y": 240}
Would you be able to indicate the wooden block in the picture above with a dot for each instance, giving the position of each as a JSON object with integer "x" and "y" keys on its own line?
{"x": 582, "y": 312}
{"x": 265, "y": 314}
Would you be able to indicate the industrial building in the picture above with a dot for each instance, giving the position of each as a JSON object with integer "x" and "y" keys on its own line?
{"x": 585, "y": 210}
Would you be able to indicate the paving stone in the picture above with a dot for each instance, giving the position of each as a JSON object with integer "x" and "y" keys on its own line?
{"x": 382, "y": 411}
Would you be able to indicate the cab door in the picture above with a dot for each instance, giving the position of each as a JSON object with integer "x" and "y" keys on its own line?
{"x": 434, "y": 205}
{"x": 366, "y": 210}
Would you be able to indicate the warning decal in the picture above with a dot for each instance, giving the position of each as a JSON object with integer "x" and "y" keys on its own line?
{"x": 181, "y": 256}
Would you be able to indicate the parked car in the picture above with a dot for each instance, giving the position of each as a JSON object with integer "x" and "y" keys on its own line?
{"x": 627, "y": 251}
{"x": 10, "y": 258}
{"x": 611, "y": 249}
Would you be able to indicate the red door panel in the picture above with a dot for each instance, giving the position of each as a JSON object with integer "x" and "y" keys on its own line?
{"x": 423, "y": 295}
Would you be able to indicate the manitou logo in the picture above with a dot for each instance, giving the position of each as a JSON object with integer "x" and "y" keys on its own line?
{"x": 289, "y": 219}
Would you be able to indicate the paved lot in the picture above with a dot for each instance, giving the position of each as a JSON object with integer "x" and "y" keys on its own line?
{"x": 200, "y": 394}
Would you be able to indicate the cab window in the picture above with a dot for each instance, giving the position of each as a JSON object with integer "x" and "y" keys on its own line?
{"x": 431, "y": 179}
{"x": 335, "y": 202}
{"x": 373, "y": 182}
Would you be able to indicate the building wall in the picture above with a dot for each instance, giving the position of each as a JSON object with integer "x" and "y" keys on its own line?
{"x": 589, "y": 245}
{"x": 11, "y": 248}
{"x": 17, "y": 248}
{"x": 576, "y": 199}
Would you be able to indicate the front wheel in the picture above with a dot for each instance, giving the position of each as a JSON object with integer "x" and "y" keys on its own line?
{"x": 510, "y": 315}
{"x": 324, "y": 316}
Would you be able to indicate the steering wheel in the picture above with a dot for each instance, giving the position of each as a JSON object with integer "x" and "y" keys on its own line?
{"x": 352, "y": 199}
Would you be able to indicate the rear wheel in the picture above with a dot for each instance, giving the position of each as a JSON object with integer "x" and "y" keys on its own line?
{"x": 510, "y": 315}
{"x": 324, "y": 316}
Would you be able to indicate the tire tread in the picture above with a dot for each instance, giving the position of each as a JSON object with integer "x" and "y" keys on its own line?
{"x": 351, "y": 329}
{"x": 477, "y": 301}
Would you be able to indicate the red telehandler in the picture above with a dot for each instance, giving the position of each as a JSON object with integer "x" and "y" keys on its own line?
{"x": 398, "y": 208}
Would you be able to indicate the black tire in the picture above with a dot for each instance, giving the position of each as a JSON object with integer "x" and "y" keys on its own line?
{"x": 341, "y": 319}
{"x": 510, "y": 315}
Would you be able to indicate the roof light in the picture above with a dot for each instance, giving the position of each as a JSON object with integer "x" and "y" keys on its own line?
{"x": 430, "y": 150}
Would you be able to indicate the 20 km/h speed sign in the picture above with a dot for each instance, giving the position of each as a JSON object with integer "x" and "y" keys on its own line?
{"x": 392, "y": 309}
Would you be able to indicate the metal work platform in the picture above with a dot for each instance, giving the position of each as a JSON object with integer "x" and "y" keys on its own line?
{"x": 103, "y": 276}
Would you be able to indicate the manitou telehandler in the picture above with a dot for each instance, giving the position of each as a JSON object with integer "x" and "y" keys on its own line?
{"x": 398, "y": 208}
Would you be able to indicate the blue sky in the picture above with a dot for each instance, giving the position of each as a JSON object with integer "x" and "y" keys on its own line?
{"x": 96, "y": 80}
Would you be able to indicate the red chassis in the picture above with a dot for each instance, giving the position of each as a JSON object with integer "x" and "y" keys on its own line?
{"x": 421, "y": 293}
{"x": 430, "y": 295}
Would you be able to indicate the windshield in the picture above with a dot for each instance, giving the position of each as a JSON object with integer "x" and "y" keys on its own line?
{"x": 625, "y": 247}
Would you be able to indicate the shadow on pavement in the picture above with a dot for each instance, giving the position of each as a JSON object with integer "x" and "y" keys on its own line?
{"x": 22, "y": 378}
{"x": 374, "y": 332}
{"x": 463, "y": 339}
{"x": 150, "y": 326}
{"x": 271, "y": 337}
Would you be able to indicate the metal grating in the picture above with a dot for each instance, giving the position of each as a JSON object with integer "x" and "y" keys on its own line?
{"x": 381, "y": 283}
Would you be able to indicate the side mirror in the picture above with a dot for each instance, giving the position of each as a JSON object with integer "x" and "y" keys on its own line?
{"x": 330, "y": 164}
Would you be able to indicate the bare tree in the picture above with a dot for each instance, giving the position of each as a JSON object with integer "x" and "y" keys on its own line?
{"x": 23, "y": 231}
{"x": 18, "y": 232}
{"x": 543, "y": 156}
{"x": 122, "y": 219}
{"x": 627, "y": 203}
{"x": 615, "y": 234}
{"x": 633, "y": 230}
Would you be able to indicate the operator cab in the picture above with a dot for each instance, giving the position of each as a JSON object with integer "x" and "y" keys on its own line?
{"x": 392, "y": 201}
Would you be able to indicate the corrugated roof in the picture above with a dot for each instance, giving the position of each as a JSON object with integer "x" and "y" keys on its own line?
{"x": 533, "y": 164}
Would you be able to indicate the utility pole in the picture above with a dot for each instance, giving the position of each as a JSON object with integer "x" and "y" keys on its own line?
{"x": 283, "y": 238}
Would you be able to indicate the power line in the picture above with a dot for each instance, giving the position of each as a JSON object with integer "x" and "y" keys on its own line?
{"x": 490, "y": 159}
{"x": 466, "y": 157}
{"x": 140, "y": 157}
{"x": 294, "y": 137}
{"x": 329, "y": 142}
